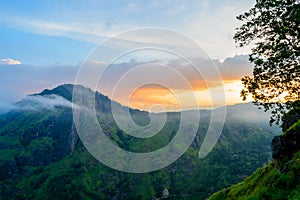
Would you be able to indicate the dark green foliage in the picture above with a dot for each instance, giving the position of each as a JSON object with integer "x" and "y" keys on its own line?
{"x": 274, "y": 27}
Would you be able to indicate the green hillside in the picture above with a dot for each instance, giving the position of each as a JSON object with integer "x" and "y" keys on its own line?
{"x": 41, "y": 156}
{"x": 279, "y": 180}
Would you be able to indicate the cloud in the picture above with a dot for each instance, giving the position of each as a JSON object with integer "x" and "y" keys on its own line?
{"x": 49, "y": 102}
{"x": 37, "y": 102}
{"x": 124, "y": 81}
{"x": 18, "y": 81}
{"x": 233, "y": 68}
{"x": 211, "y": 23}
{"x": 9, "y": 61}
{"x": 88, "y": 32}
{"x": 5, "y": 106}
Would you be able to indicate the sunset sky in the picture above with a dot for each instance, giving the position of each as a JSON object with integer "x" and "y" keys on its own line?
{"x": 43, "y": 43}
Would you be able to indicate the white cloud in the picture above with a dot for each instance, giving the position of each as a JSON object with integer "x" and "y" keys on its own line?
{"x": 89, "y": 32}
{"x": 48, "y": 102}
{"x": 5, "y": 106}
{"x": 9, "y": 61}
{"x": 36, "y": 102}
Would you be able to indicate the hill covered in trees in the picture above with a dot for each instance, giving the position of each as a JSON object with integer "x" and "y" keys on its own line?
{"x": 41, "y": 156}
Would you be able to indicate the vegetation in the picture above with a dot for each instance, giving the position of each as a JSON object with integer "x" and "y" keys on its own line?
{"x": 278, "y": 180}
{"x": 41, "y": 157}
{"x": 274, "y": 27}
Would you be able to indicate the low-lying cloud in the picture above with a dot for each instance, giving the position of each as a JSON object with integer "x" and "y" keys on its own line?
{"x": 18, "y": 81}
{"x": 48, "y": 102}
{"x": 38, "y": 102}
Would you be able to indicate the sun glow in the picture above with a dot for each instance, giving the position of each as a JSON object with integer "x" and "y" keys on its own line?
{"x": 145, "y": 97}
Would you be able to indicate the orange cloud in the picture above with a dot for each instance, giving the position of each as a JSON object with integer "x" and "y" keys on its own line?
{"x": 145, "y": 97}
{"x": 213, "y": 84}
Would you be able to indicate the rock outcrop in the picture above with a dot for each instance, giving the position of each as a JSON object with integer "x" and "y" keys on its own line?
{"x": 288, "y": 144}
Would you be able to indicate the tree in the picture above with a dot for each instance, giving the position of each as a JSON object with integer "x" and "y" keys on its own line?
{"x": 273, "y": 27}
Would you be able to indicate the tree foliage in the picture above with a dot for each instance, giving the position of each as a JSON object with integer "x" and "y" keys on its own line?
{"x": 274, "y": 28}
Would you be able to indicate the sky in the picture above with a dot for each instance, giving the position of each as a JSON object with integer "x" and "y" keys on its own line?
{"x": 43, "y": 43}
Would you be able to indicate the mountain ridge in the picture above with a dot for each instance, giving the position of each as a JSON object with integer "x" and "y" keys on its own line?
{"x": 41, "y": 152}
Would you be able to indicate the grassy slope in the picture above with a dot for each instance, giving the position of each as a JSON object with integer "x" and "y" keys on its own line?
{"x": 274, "y": 181}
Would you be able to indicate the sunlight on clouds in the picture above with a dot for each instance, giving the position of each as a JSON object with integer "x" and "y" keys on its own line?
{"x": 9, "y": 61}
{"x": 232, "y": 91}
{"x": 209, "y": 90}
{"x": 144, "y": 98}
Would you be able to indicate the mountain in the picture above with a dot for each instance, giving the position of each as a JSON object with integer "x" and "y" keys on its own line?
{"x": 42, "y": 156}
{"x": 279, "y": 180}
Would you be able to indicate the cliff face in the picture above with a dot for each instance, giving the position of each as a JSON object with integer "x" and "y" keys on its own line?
{"x": 286, "y": 145}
